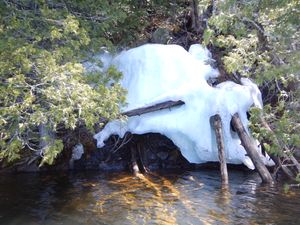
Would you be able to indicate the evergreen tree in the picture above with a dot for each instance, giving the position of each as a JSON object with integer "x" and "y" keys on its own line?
{"x": 43, "y": 81}
{"x": 261, "y": 40}
{"x": 44, "y": 87}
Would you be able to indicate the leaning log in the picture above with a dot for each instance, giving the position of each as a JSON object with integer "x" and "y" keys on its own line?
{"x": 221, "y": 149}
{"x": 153, "y": 108}
{"x": 251, "y": 149}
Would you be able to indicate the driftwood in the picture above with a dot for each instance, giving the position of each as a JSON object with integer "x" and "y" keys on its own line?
{"x": 153, "y": 108}
{"x": 141, "y": 111}
{"x": 251, "y": 149}
{"x": 221, "y": 149}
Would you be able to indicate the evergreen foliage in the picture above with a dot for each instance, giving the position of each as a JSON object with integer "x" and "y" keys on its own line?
{"x": 261, "y": 40}
{"x": 44, "y": 86}
{"x": 43, "y": 81}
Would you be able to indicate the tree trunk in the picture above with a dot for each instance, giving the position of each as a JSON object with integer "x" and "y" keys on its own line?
{"x": 134, "y": 166}
{"x": 140, "y": 162}
{"x": 221, "y": 149}
{"x": 195, "y": 16}
{"x": 46, "y": 137}
{"x": 251, "y": 149}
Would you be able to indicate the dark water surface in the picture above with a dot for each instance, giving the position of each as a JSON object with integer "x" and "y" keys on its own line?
{"x": 120, "y": 198}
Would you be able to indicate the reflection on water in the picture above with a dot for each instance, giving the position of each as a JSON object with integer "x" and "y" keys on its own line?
{"x": 120, "y": 198}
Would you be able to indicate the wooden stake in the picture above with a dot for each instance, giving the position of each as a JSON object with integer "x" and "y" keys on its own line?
{"x": 251, "y": 149}
{"x": 221, "y": 149}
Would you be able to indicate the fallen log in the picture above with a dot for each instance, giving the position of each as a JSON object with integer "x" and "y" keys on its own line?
{"x": 221, "y": 149}
{"x": 140, "y": 111}
{"x": 153, "y": 108}
{"x": 251, "y": 149}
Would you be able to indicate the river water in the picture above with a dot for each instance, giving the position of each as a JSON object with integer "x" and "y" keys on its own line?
{"x": 120, "y": 198}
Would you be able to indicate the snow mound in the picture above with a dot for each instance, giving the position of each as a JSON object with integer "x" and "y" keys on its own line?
{"x": 156, "y": 73}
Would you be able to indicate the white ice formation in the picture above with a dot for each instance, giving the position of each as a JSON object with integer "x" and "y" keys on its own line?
{"x": 156, "y": 73}
{"x": 77, "y": 152}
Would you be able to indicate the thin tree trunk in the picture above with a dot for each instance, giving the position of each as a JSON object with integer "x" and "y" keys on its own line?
{"x": 195, "y": 16}
{"x": 251, "y": 149}
{"x": 140, "y": 162}
{"x": 134, "y": 165}
{"x": 221, "y": 149}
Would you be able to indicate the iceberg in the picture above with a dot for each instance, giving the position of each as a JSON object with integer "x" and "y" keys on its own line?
{"x": 155, "y": 73}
